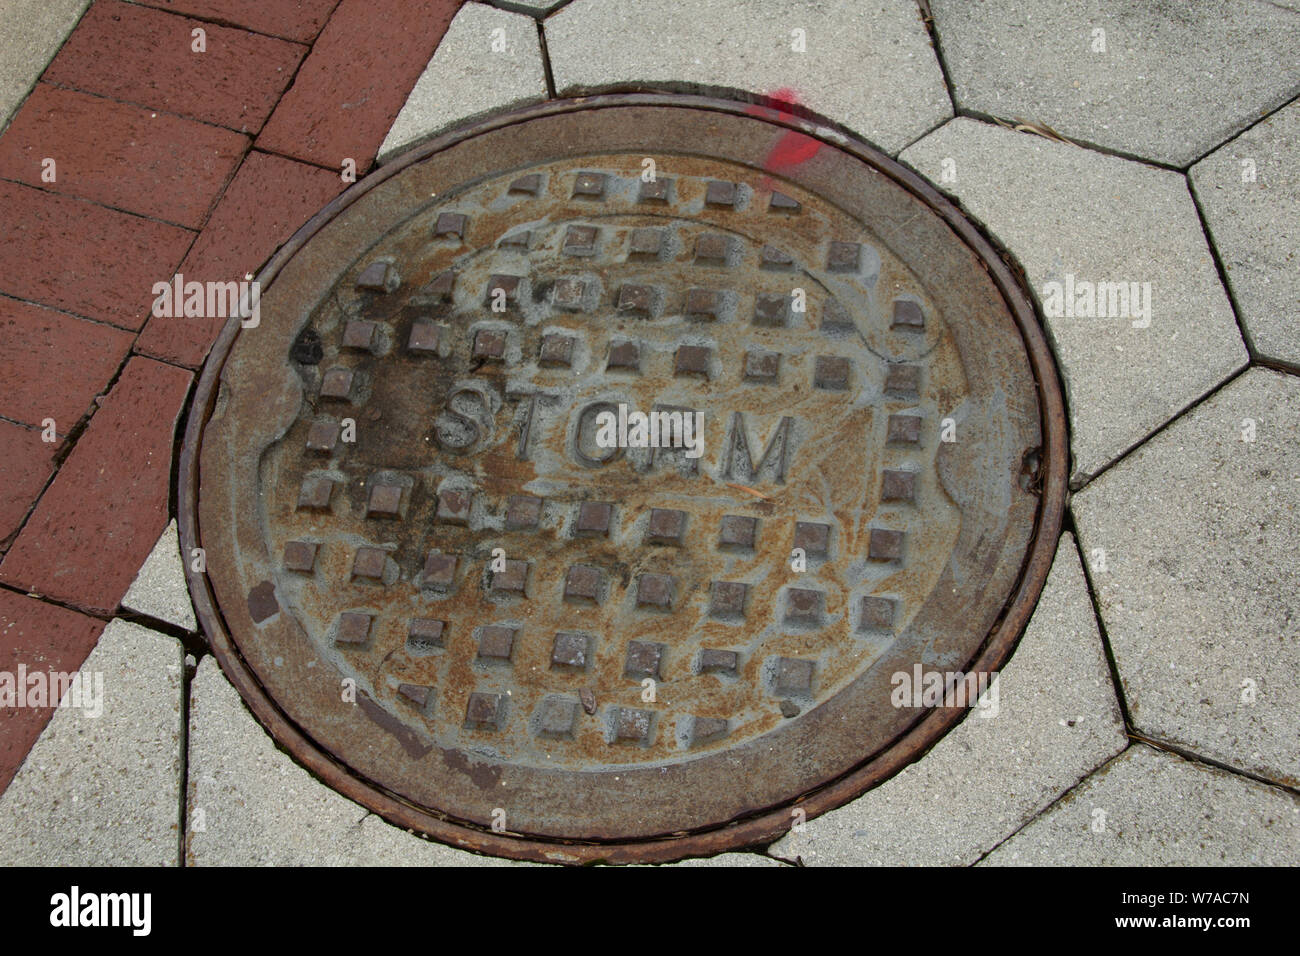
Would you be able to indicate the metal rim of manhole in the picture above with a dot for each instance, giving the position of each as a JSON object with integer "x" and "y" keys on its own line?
{"x": 461, "y": 594}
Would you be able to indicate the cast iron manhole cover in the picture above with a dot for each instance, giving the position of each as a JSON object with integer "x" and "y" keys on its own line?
{"x": 438, "y": 583}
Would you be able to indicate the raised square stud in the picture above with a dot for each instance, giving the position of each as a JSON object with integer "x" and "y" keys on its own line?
{"x": 368, "y": 564}
{"x": 645, "y": 243}
{"x": 636, "y": 299}
{"x": 703, "y": 302}
{"x": 523, "y": 512}
{"x": 877, "y": 614}
{"x": 454, "y": 506}
{"x": 582, "y": 584}
{"x": 315, "y": 493}
{"x": 378, "y": 277}
{"x": 424, "y": 337}
{"x": 761, "y": 366}
{"x": 771, "y": 311}
{"x": 655, "y": 591}
{"x": 359, "y": 335}
{"x": 903, "y": 430}
{"x": 644, "y": 659}
{"x": 692, "y": 360}
{"x": 813, "y": 538}
{"x": 831, "y": 372}
{"x": 322, "y": 437}
{"x": 489, "y": 345}
{"x": 632, "y": 726}
{"x": 793, "y": 676}
{"x": 654, "y": 191}
{"x": 903, "y": 381}
{"x": 624, "y": 355}
{"x": 898, "y": 486}
{"x": 775, "y": 259}
{"x": 571, "y": 651}
{"x": 496, "y": 642}
{"x": 580, "y": 241}
{"x": 885, "y": 545}
{"x": 424, "y": 635}
{"x": 439, "y": 288}
{"x": 589, "y": 186}
{"x": 501, "y": 287}
{"x": 843, "y": 257}
{"x": 727, "y": 599}
{"x": 711, "y": 249}
{"x": 384, "y": 501}
{"x": 780, "y": 202}
{"x": 556, "y": 350}
{"x": 908, "y": 316}
{"x": 450, "y": 225}
{"x": 720, "y": 194}
{"x": 557, "y": 717}
{"x": 353, "y": 629}
{"x": 568, "y": 293}
{"x": 804, "y": 606}
{"x": 529, "y": 185}
{"x": 594, "y": 519}
{"x": 485, "y": 711}
{"x": 419, "y": 696}
{"x": 666, "y": 526}
{"x": 713, "y": 661}
{"x": 300, "y": 556}
{"x": 336, "y": 383}
{"x": 707, "y": 729}
{"x": 439, "y": 570}
{"x": 512, "y": 579}
{"x": 738, "y": 532}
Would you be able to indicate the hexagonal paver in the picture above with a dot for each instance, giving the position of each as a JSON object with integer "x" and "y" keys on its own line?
{"x": 475, "y": 71}
{"x": 1191, "y": 547}
{"x": 1166, "y": 82}
{"x": 868, "y": 66}
{"x": 1249, "y": 191}
{"x": 1074, "y": 216}
{"x": 1056, "y": 719}
{"x": 1153, "y": 808}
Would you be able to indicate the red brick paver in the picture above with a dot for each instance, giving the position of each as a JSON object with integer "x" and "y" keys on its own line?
{"x": 81, "y": 257}
{"x": 268, "y": 200}
{"x": 292, "y": 19}
{"x": 42, "y": 637}
{"x": 26, "y": 463}
{"x": 104, "y": 511}
{"x": 356, "y": 79}
{"x": 139, "y": 160}
{"x": 235, "y": 82}
{"x": 53, "y": 364}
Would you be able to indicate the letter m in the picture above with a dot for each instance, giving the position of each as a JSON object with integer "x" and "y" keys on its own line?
{"x": 223, "y": 299}
{"x": 1115, "y": 295}
{"x": 738, "y": 463}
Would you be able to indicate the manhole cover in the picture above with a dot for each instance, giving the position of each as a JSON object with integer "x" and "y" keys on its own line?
{"x": 592, "y": 473}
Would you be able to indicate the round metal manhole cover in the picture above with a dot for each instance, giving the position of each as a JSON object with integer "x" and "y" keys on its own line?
{"x": 591, "y": 474}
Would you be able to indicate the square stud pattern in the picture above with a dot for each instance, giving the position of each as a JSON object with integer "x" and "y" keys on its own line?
{"x": 450, "y": 225}
{"x": 719, "y": 193}
{"x": 501, "y": 287}
{"x": 523, "y": 512}
{"x": 485, "y": 711}
{"x": 516, "y": 241}
{"x": 632, "y": 725}
{"x": 369, "y": 563}
{"x": 557, "y": 717}
{"x": 589, "y": 186}
{"x": 831, "y": 372}
{"x": 711, "y": 248}
{"x": 703, "y": 302}
{"x": 655, "y": 591}
{"x": 761, "y": 366}
{"x": 322, "y": 437}
{"x": 645, "y": 243}
{"x": 489, "y": 345}
{"x": 713, "y": 661}
{"x": 375, "y": 277}
{"x": 903, "y": 430}
{"x": 771, "y": 311}
{"x": 885, "y": 545}
{"x": 898, "y": 486}
{"x": 424, "y": 634}
{"x": 594, "y": 518}
{"x": 636, "y": 299}
{"x": 353, "y": 629}
{"x": 496, "y": 642}
{"x": 654, "y": 191}
{"x": 903, "y": 381}
{"x": 359, "y": 335}
{"x": 804, "y": 606}
{"x": 440, "y": 287}
{"x": 384, "y": 501}
{"x": 419, "y": 696}
{"x": 315, "y": 493}
{"x": 569, "y": 293}
{"x": 300, "y": 556}
{"x": 793, "y": 676}
{"x": 843, "y": 257}
{"x": 783, "y": 203}
{"x": 424, "y": 338}
{"x": 454, "y": 506}
{"x": 692, "y": 360}
{"x": 813, "y": 537}
{"x": 582, "y": 584}
{"x": 877, "y": 614}
{"x": 556, "y": 350}
{"x": 571, "y": 650}
{"x": 834, "y": 318}
{"x": 773, "y": 258}
{"x": 580, "y": 241}
{"x": 336, "y": 383}
{"x": 643, "y": 660}
{"x": 908, "y": 316}
{"x": 738, "y": 532}
{"x": 665, "y": 526}
{"x": 727, "y": 599}
{"x": 529, "y": 185}
{"x": 706, "y": 729}
{"x": 511, "y": 579}
{"x": 624, "y": 355}
{"x": 439, "y": 570}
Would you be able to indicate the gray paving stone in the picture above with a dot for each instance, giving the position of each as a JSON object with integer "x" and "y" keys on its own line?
{"x": 31, "y": 32}
{"x": 1175, "y": 80}
{"x": 159, "y": 588}
{"x": 729, "y": 860}
{"x": 1191, "y": 546}
{"x": 470, "y": 77}
{"x": 1071, "y": 214}
{"x": 250, "y": 805}
{"x": 534, "y": 7}
{"x": 105, "y": 790}
{"x": 868, "y": 66}
{"x": 1249, "y": 191}
{"x": 1153, "y": 808}
{"x": 1057, "y": 719}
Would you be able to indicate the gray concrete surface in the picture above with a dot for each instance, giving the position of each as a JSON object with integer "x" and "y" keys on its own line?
{"x": 105, "y": 790}
{"x": 1249, "y": 191}
{"x": 867, "y": 65}
{"x": 31, "y": 32}
{"x": 1152, "y": 808}
{"x": 1173, "y": 81}
{"x": 1058, "y": 719}
{"x": 1191, "y": 547}
{"x": 1069, "y": 215}
{"x": 159, "y": 588}
{"x": 489, "y": 60}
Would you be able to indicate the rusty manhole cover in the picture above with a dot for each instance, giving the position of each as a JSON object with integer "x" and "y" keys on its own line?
{"x": 436, "y": 581}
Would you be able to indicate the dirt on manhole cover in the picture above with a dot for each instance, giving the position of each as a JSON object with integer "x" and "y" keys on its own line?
{"x": 449, "y": 568}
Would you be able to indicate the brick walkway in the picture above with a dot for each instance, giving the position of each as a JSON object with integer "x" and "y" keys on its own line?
{"x": 165, "y": 160}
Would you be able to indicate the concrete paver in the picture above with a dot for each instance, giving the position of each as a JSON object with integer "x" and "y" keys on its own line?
{"x": 1057, "y": 719}
{"x": 159, "y": 588}
{"x": 489, "y": 60}
{"x": 1190, "y": 545}
{"x": 1249, "y": 191}
{"x": 31, "y": 32}
{"x": 868, "y": 66}
{"x": 1152, "y": 808}
{"x": 104, "y": 789}
{"x": 1166, "y": 82}
{"x": 1073, "y": 216}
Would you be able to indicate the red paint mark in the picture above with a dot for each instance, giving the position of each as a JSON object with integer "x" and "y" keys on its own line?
{"x": 793, "y": 148}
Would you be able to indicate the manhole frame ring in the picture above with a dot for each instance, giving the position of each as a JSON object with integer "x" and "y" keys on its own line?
{"x": 767, "y": 825}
